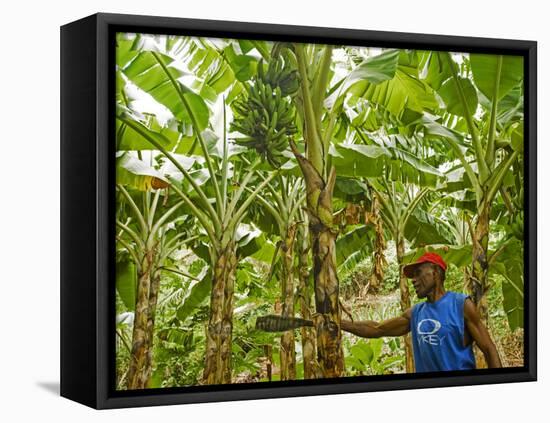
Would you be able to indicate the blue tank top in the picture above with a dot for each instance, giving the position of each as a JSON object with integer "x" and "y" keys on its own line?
{"x": 438, "y": 335}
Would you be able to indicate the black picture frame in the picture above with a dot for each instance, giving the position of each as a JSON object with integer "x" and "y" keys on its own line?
{"x": 87, "y": 211}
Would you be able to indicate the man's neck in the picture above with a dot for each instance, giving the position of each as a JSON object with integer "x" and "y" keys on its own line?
{"x": 436, "y": 294}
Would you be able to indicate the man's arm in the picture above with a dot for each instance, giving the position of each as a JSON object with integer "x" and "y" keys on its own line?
{"x": 396, "y": 326}
{"x": 480, "y": 334}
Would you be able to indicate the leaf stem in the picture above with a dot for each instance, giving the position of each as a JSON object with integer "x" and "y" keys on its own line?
{"x": 483, "y": 169}
{"x": 135, "y": 209}
{"x": 490, "y": 153}
{"x": 195, "y": 124}
{"x": 139, "y": 128}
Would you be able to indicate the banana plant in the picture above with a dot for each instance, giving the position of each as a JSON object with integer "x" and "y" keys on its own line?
{"x": 304, "y": 293}
{"x": 379, "y": 258}
{"x": 220, "y": 224}
{"x": 145, "y": 233}
{"x": 381, "y": 99}
{"x": 485, "y": 94}
{"x": 268, "y": 118}
{"x": 314, "y": 66}
{"x": 283, "y": 202}
{"x": 398, "y": 204}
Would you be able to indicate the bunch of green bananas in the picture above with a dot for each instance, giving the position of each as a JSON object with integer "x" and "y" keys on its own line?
{"x": 517, "y": 225}
{"x": 266, "y": 115}
{"x": 281, "y": 73}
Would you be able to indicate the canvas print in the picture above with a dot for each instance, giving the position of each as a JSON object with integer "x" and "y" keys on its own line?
{"x": 290, "y": 211}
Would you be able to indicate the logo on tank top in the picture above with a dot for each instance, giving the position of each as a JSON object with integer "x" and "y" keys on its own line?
{"x": 427, "y": 332}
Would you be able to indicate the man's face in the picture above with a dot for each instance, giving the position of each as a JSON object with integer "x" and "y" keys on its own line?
{"x": 424, "y": 280}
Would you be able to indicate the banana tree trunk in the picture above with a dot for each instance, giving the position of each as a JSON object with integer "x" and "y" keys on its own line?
{"x": 479, "y": 275}
{"x": 138, "y": 374}
{"x": 268, "y": 351}
{"x": 326, "y": 283}
{"x": 288, "y": 353}
{"x": 309, "y": 347}
{"x": 217, "y": 369}
{"x": 153, "y": 300}
{"x": 327, "y": 319}
{"x": 379, "y": 259}
{"x": 480, "y": 266}
{"x": 227, "y": 323}
{"x": 405, "y": 300}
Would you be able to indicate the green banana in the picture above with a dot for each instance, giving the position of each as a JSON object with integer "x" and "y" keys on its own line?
{"x": 265, "y": 116}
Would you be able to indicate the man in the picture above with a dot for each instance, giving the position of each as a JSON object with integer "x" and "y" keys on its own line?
{"x": 443, "y": 327}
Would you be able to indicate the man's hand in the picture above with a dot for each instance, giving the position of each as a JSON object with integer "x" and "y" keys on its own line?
{"x": 480, "y": 334}
{"x": 397, "y": 326}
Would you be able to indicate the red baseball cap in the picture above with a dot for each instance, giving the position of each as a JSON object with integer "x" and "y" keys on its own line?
{"x": 434, "y": 258}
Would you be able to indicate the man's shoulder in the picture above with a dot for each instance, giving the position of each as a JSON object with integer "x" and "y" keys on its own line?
{"x": 458, "y": 295}
{"x": 415, "y": 307}
{"x": 460, "y": 303}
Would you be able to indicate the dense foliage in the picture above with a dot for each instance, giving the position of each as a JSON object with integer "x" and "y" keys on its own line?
{"x": 257, "y": 178}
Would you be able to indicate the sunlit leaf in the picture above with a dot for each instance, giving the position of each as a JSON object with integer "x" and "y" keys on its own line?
{"x": 484, "y": 69}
